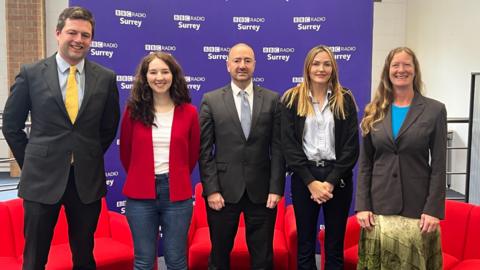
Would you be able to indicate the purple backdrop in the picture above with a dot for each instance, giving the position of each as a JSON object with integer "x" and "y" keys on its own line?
{"x": 199, "y": 34}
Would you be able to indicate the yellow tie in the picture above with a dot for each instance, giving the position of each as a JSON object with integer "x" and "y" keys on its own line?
{"x": 71, "y": 95}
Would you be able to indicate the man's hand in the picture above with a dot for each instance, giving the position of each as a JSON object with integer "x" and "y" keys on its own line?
{"x": 321, "y": 191}
{"x": 273, "y": 200}
{"x": 215, "y": 201}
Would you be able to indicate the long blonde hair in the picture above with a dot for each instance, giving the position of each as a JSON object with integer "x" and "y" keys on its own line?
{"x": 376, "y": 110}
{"x": 300, "y": 92}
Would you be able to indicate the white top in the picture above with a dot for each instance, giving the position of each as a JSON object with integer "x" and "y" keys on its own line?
{"x": 319, "y": 132}
{"x": 237, "y": 97}
{"x": 161, "y": 135}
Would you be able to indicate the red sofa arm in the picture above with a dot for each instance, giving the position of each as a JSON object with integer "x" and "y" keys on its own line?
{"x": 192, "y": 229}
{"x": 120, "y": 228}
{"x": 291, "y": 236}
{"x": 352, "y": 234}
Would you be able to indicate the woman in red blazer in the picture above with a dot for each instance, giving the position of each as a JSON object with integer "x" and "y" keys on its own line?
{"x": 159, "y": 147}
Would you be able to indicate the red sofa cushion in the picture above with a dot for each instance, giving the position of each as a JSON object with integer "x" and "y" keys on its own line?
{"x": 472, "y": 246}
{"x": 454, "y": 228}
{"x": 449, "y": 261}
{"x": 468, "y": 265}
{"x": 7, "y": 246}
{"x": 113, "y": 246}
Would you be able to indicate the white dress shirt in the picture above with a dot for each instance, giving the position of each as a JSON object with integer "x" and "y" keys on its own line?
{"x": 319, "y": 132}
{"x": 237, "y": 97}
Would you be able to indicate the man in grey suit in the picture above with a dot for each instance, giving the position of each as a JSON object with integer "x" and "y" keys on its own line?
{"x": 241, "y": 164}
{"x": 74, "y": 111}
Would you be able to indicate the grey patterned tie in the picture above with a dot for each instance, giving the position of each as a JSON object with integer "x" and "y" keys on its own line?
{"x": 245, "y": 115}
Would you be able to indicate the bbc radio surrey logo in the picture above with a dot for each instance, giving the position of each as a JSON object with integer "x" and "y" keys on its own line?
{"x": 130, "y": 18}
{"x": 309, "y": 23}
{"x": 343, "y": 52}
{"x": 248, "y": 23}
{"x": 188, "y": 22}
{"x": 160, "y": 48}
{"x": 216, "y": 52}
{"x": 125, "y": 81}
{"x": 278, "y": 53}
{"x": 195, "y": 82}
{"x": 103, "y": 49}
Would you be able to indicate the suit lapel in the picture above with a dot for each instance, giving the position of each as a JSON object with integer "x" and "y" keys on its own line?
{"x": 50, "y": 75}
{"x": 416, "y": 108}
{"x": 257, "y": 106}
{"x": 232, "y": 109}
{"x": 387, "y": 125}
{"x": 90, "y": 82}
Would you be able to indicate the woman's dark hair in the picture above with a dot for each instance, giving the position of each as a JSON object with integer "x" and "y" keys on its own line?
{"x": 140, "y": 102}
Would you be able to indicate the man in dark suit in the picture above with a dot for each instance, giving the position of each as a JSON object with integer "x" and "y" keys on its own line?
{"x": 74, "y": 111}
{"x": 241, "y": 164}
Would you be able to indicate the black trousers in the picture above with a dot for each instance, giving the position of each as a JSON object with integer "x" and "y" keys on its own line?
{"x": 40, "y": 220}
{"x": 259, "y": 225}
{"x": 306, "y": 214}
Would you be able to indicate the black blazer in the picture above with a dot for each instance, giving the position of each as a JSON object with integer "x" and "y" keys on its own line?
{"x": 231, "y": 164}
{"x": 346, "y": 143}
{"x": 405, "y": 176}
{"x": 45, "y": 155}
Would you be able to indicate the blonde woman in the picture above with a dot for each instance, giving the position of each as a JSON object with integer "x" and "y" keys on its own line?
{"x": 320, "y": 139}
{"x": 401, "y": 184}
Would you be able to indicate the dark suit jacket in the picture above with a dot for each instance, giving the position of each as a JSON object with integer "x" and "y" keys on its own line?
{"x": 45, "y": 155}
{"x": 346, "y": 143}
{"x": 396, "y": 177}
{"x": 231, "y": 164}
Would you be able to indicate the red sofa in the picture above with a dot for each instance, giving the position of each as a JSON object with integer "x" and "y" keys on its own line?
{"x": 199, "y": 239}
{"x": 113, "y": 242}
{"x": 460, "y": 238}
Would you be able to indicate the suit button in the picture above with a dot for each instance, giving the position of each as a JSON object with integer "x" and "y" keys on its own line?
{"x": 395, "y": 152}
{"x": 394, "y": 175}
{"x": 244, "y": 163}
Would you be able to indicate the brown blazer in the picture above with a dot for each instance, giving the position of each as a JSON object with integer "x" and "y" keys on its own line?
{"x": 397, "y": 177}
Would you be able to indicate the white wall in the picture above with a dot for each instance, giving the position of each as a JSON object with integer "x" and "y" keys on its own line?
{"x": 389, "y": 31}
{"x": 3, "y": 80}
{"x": 52, "y": 10}
{"x": 445, "y": 36}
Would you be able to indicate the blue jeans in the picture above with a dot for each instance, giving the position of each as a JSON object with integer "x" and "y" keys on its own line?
{"x": 145, "y": 217}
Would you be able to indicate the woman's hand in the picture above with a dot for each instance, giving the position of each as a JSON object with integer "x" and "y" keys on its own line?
{"x": 320, "y": 192}
{"x": 366, "y": 219}
{"x": 428, "y": 223}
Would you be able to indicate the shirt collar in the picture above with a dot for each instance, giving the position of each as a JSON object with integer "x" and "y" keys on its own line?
{"x": 236, "y": 90}
{"x": 329, "y": 94}
{"x": 63, "y": 65}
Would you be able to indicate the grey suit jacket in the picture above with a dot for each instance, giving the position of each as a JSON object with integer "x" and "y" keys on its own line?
{"x": 45, "y": 155}
{"x": 231, "y": 164}
{"x": 405, "y": 176}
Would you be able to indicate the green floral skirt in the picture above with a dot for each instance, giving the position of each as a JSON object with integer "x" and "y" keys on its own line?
{"x": 396, "y": 243}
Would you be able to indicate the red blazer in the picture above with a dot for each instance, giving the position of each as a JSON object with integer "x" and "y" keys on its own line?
{"x": 136, "y": 154}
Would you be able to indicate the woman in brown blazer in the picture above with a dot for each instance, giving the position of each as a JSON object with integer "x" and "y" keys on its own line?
{"x": 401, "y": 181}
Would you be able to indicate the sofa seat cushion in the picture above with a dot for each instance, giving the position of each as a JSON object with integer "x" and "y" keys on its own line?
{"x": 468, "y": 265}
{"x": 351, "y": 258}
{"x": 240, "y": 259}
{"x": 10, "y": 263}
{"x": 449, "y": 261}
{"x": 109, "y": 254}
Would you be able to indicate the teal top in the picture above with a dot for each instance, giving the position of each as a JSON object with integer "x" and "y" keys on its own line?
{"x": 398, "y": 116}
